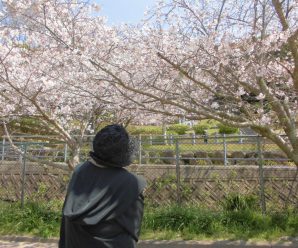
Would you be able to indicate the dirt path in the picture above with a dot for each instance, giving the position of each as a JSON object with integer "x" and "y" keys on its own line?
{"x": 19, "y": 242}
{"x": 16, "y": 244}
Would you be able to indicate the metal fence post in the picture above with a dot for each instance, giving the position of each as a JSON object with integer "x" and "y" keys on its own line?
{"x": 193, "y": 139}
{"x": 261, "y": 175}
{"x": 65, "y": 152}
{"x": 23, "y": 174}
{"x": 240, "y": 138}
{"x": 140, "y": 149}
{"x": 165, "y": 138}
{"x": 225, "y": 149}
{"x": 3, "y": 147}
{"x": 178, "y": 173}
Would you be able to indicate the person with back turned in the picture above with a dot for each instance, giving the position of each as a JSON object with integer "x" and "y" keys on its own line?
{"x": 104, "y": 204}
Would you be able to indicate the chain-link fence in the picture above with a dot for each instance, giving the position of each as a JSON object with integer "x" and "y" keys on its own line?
{"x": 160, "y": 149}
{"x": 206, "y": 169}
{"x": 209, "y": 150}
{"x": 179, "y": 169}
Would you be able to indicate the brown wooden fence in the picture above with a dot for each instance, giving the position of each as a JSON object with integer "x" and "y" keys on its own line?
{"x": 167, "y": 184}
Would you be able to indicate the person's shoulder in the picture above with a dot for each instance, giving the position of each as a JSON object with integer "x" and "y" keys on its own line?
{"x": 80, "y": 167}
{"x": 141, "y": 181}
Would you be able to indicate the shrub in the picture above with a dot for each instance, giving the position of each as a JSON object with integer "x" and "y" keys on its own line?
{"x": 280, "y": 220}
{"x": 179, "y": 218}
{"x": 178, "y": 128}
{"x": 293, "y": 223}
{"x": 169, "y": 132}
{"x": 223, "y": 129}
{"x": 247, "y": 221}
{"x": 199, "y": 129}
{"x": 236, "y": 202}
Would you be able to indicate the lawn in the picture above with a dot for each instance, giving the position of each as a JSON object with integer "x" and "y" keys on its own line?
{"x": 211, "y": 147}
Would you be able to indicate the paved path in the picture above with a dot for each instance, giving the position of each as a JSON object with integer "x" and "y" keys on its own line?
{"x": 24, "y": 242}
{"x": 16, "y": 244}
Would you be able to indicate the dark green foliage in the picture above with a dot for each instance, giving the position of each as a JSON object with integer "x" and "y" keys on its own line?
{"x": 292, "y": 222}
{"x": 240, "y": 224}
{"x": 200, "y": 129}
{"x": 223, "y": 129}
{"x": 177, "y": 218}
{"x": 236, "y": 202}
{"x": 178, "y": 128}
{"x": 280, "y": 220}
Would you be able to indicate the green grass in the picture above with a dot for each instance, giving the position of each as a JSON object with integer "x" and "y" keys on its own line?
{"x": 196, "y": 223}
{"x": 144, "y": 130}
{"x": 173, "y": 222}
{"x": 35, "y": 219}
{"x": 210, "y": 147}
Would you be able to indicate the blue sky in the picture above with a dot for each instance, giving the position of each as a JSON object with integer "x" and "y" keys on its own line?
{"x": 120, "y": 11}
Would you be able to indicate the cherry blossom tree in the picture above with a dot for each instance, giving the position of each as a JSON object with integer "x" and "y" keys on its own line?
{"x": 232, "y": 61}
{"x": 45, "y": 68}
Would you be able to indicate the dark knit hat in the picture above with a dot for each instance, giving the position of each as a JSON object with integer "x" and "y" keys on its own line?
{"x": 111, "y": 146}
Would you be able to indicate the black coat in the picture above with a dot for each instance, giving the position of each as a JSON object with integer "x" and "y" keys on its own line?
{"x": 103, "y": 208}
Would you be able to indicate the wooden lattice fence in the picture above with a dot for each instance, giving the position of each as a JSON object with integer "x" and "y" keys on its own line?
{"x": 201, "y": 185}
{"x": 209, "y": 186}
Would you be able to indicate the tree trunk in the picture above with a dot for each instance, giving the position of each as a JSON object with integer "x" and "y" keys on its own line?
{"x": 74, "y": 159}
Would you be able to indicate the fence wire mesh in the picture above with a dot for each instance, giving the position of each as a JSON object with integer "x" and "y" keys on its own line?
{"x": 212, "y": 150}
{"x": 198, "y": 170}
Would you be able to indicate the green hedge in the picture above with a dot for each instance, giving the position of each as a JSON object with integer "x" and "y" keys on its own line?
{"x": 223, "y": 129}
{"x": 200, "y": 129}
{"x": 180, "y": 129}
